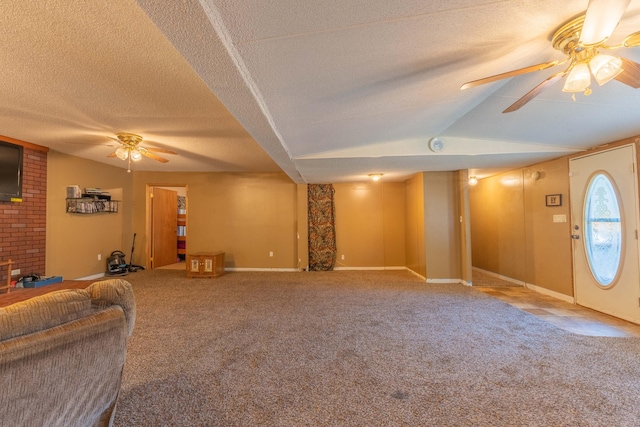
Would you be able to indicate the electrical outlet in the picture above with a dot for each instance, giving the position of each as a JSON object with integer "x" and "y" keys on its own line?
{"x": 15, "y": 272}
{"x": 99, "y": 257}
{"x": 270, "y": 253}
{"x": 342, "y": 257}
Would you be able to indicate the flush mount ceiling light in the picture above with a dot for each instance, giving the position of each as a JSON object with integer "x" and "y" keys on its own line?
{"x": 581, "y": 40}
{"x": 132, "y": 151}
{"x": 375, "y": 176}
{"x": 436, "y": 144}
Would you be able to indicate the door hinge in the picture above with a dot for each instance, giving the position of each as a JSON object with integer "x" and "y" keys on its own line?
{"x": 633, "y": 167}
{"x": 151, "y": 195}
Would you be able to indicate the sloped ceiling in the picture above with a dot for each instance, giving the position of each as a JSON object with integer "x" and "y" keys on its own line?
{"x": 325, "y": 90}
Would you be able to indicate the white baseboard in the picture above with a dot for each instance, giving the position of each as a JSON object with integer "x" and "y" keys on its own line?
{"x": 416, "y": 274}
{"x": 442, "y": 281}
{"x": 261, "y": 269}
{"x": 539, "y": 289}
{"x": 92, "y": 277}
{"x": 369, "y": 268}
{"x": 500, "y": 276}
{"x": 554, "y": 294}
{"x": 449, "y": 281}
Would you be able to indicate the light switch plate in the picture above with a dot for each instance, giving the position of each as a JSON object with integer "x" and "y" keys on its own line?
{"x": 560, "y": 218}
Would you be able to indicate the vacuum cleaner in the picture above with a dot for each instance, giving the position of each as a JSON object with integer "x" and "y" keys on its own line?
{"x": 132, "y": 267}
{"x": 117, "y": 265}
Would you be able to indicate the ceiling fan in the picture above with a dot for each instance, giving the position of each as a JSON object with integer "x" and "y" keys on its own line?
{"x": 582, "y": 39}
{"x": 132, "y": 151}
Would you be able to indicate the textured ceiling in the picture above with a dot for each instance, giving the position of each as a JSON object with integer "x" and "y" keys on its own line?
{"x": 325, "y": 90}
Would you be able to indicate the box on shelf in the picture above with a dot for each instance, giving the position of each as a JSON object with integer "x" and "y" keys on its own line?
{"x": 99, "y": 196}
{"x": 73, "y": 192}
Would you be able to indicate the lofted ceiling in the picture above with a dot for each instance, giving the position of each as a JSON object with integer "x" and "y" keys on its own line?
{"x": 324, "y": 90}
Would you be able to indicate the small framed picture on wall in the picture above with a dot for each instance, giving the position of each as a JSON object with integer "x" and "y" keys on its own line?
{"x": 554, "y": 199}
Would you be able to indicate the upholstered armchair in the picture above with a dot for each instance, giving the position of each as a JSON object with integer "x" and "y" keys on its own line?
{"x": 62, "y": 355}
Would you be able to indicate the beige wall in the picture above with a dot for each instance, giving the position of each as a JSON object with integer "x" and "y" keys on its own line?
{"x": 370, "y": 224}
{"x": 415, "y": 231}
{"x": 548, "y": 246}
{"x": 245, "y": 215}
{"x": 466, "y": 268}
{"x": 302, "y": 200}
{"x": 512, "y": 230}
{"x": 435, "y": 244}
{"x": 75, "y": 240}
{"x": 249, "y": 215}
{"x": 442, "y": 225}
{"x": 497, "y": 225}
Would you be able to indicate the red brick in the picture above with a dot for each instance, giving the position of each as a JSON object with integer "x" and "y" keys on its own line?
{"x": 23, "y": 225}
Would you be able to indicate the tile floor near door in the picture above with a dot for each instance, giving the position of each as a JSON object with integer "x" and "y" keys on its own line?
{"x": 570, "y": 317}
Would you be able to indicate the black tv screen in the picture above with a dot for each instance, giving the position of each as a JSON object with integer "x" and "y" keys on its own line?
{"x": 10, "y": 172}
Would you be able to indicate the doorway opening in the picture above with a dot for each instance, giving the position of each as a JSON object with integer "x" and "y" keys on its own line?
{"x": 167, "y": 213}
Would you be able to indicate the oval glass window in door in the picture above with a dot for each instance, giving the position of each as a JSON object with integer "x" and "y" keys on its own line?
{"x": 602, "y": 229}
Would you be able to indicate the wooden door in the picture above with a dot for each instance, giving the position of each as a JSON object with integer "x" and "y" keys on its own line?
{"x": 604, "y": 215}
{"x": 164, "y": 223}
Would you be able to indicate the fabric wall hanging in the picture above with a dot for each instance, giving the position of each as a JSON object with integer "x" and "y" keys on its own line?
{"x": 322, "y": 227}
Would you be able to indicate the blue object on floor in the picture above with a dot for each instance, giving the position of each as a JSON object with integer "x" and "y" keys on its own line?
{"x": 43, "y": 281}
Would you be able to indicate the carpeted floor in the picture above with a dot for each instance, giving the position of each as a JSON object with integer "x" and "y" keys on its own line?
{"x": 348, "y": 348}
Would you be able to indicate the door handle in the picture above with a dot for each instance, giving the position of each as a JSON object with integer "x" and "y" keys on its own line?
{"x": 575, "y": 236}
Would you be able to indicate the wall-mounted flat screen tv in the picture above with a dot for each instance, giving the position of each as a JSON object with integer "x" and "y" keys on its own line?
{"x": 10, "y": 172}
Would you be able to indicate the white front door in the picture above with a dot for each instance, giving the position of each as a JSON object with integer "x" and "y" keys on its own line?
{"x": 604, "y": 216}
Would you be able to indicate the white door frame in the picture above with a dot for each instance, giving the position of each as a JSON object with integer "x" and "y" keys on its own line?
{"x": 629, "y": 221}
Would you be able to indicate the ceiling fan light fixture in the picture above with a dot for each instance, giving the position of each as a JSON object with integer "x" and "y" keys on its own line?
{"x": 602, "y": 18}
{"x": 605, "y": 67}
{"x": 135, "y": 155}
{"x": 579, "y": 78}
{"x": 122, "y": 153}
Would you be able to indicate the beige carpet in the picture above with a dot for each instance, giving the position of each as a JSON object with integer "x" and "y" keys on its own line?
{"x": 361, "y": 349}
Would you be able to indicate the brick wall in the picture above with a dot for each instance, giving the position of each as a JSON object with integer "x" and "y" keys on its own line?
{"x": 23, "y": 225}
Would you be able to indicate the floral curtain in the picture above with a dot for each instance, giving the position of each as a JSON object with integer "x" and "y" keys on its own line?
{"x": 322, "y": 227}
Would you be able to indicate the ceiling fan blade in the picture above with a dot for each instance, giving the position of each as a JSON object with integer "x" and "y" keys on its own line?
{"x": 153, "y": 156}
{"x": 508, "y": 74}
{"x": 160, "y": 150}
{"x": 112, "y": 154}
{"x": 535, "y": 91}
{"x": 632, "y": 40}
{"x": 104, "y": 144}
{"x": 631, "y": 74}
{"x": 601, "y": 19}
